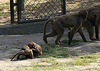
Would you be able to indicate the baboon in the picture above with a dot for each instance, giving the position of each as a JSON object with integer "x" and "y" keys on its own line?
{"x": 24, "y": 51}
{"x": 94, "y": 18}
{"x": 89, "y": 27}
{"x": 69, "y": 20}
{"x": 37, "y": 50}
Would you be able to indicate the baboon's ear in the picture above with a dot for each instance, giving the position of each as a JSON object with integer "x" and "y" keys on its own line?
{"x": 83, "y": 14}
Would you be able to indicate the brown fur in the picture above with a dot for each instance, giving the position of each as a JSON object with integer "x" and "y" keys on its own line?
{"x": 37, "y": 50}
{"x": 69, "y": 20}
{"x": 89, "y": 27}
{"x": 24, "y": 51}
{"x": 94, "y": 18}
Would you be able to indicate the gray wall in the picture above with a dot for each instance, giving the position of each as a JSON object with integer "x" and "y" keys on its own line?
{"x": 28, "y": 28}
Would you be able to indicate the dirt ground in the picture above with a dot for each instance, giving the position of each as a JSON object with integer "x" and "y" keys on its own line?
{"x": 10, "y": 44}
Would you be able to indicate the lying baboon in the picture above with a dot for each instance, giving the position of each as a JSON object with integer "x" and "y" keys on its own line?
{"x": 37, "y": 50}
{"x": 24, "y": 51}
{"x": 94, "y": 18}
{"x": 69, "y": 20}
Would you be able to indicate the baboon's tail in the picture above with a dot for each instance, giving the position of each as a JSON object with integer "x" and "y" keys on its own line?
{"x": 21, "y": 52}
{"x": 46, "y": 25}
{"x": 14, "y": 56}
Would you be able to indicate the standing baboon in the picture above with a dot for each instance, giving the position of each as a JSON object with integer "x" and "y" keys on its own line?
{"x": 69, "y": 20}
{"x": 24, "y": 51}
{"x": 94, "y": 18}
{"x": 37, "y": 50}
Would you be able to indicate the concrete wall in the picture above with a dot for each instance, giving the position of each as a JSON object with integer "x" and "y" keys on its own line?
{"x": 28, "y": 28}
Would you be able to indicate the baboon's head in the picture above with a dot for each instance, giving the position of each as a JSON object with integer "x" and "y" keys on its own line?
{"x": 31, "y": 45}
{"x": 83, "y": 14}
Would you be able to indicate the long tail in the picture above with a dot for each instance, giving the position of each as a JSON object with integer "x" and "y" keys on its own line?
{"x": 14, "y": 56}
{"x": 46, "y": 25}
{"x": 21, "y": 52}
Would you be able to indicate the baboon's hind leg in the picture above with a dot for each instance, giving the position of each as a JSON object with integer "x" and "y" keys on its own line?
{"x": 82, "y": 35}
{"x": 59, "y": 35}
{"x": 15, "y": 55}
{"x": 59, "y": 30}
{"x": 19, "y": 53}
{"x": 53, "y": 33}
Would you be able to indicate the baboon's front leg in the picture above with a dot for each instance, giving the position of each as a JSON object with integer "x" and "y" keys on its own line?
{"x": 73, "y": 31}
{"x": 97, "y": 27}
{"x": 89, "y": 27}
{"x": 97, "y": 32}
{"x": 81, "y": 33}
{"x": 38, "y": 49}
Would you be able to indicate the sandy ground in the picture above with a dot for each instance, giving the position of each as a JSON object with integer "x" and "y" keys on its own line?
{"x": 10, "y": 44}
